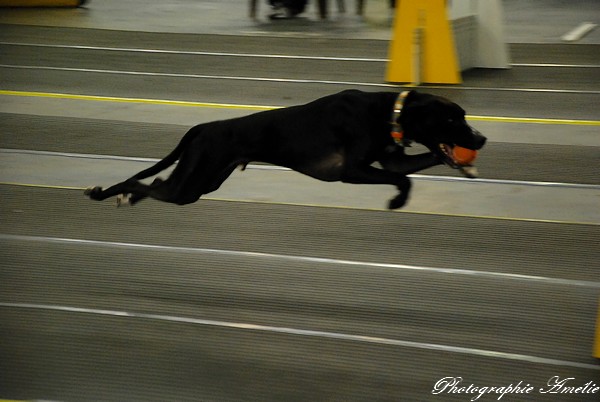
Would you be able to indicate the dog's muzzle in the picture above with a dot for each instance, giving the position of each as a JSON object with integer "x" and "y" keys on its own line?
{"x": 478, "y": 140}
{"x": 475, "y": 143}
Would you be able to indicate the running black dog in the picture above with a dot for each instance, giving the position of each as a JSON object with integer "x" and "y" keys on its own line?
{"x": 334, "y": 138}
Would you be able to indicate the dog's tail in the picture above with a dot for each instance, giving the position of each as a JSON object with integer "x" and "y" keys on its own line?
{"x": 170, "y": 159}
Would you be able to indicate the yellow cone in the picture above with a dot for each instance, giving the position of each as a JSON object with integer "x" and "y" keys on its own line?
{"x": 437, "y": 53}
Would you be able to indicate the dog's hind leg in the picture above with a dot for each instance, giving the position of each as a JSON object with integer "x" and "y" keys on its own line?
{"x": 220, "y": 177}
{"x": 133, "y": 199}
{"x": 203, "y": 180}
{"x": 132, "y": 191}
{"x": 130, "y": 186}
{"x": 184, "y": 186}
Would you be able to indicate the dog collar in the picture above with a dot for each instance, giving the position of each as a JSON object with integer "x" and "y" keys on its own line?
{"x": 397, "y": 132}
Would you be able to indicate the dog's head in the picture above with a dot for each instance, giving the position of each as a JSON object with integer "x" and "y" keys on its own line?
{"x": 439, "y": 124}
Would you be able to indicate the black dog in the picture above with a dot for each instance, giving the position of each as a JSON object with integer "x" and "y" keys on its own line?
{"x": 334, "y": 138}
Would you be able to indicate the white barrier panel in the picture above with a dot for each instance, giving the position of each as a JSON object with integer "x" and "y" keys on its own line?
{"x": 479, "y": 32}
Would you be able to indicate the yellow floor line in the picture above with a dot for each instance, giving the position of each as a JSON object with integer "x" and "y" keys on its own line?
{"x": 12, "y": 400}
{"x": 94, "y": 98}
{"x": 531, "y": 120}
{"x": 40, "y": 3}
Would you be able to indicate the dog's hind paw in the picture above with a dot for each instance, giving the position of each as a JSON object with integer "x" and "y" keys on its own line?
{"x": 123, "y": 200}
{"x": 92, "y": 191}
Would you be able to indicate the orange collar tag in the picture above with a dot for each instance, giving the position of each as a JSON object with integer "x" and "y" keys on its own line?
{"x": 398, "y": 136}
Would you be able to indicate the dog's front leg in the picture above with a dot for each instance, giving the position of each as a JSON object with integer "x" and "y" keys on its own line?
{"x": 372, "y": 175}
{"x": 403, "y": 191}
{"x": 399, "y": 162}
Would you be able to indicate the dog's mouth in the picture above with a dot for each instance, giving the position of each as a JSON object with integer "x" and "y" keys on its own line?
{"x": 446, "y": 150}
{"x": 447, "y": 154}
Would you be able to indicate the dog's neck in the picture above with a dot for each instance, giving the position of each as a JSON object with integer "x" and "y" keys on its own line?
{"x": 397, "y": 131}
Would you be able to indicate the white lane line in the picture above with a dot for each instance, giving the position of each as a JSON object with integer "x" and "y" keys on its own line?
{"x": 295, "y": 80}
{"x": 201, "y": 76}
{"x": 262, "y": 55}
{"x": 281, "y": 168}
{"x": 555, "y": 65}
{"x": 199, "y": 53}
{"x": 579, "y": 32}
{"x": 308, "y": 333}
{"x": 306, "y": 259}
{"x": 506, "y": 182}
{"x": 78, "y": 155}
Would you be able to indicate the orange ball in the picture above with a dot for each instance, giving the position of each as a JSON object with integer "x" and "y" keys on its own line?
{"x": 463, "y": 156}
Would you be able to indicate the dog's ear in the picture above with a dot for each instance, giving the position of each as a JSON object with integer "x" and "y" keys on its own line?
{"x": 416, "y": 107}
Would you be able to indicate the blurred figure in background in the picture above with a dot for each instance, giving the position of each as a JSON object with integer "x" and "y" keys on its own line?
{"x": 285, "y": 9}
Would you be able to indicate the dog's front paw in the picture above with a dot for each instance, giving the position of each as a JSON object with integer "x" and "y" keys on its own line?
{"x": 92, "y": 191}
{"x": 397, "y": 202}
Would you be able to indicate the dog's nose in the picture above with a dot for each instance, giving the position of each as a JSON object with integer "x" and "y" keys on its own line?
{"x": 479, "y": 139}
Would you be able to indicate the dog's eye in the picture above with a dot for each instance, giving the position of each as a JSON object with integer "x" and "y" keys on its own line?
{"x": 451, "y": 120}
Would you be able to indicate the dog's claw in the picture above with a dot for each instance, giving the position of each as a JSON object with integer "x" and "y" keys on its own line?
{"x": 123, "y": 200}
